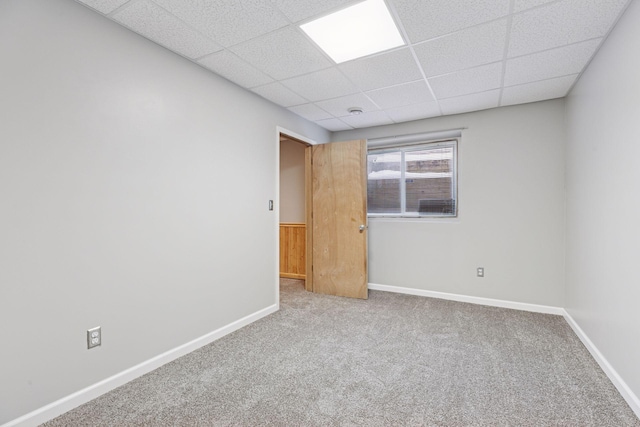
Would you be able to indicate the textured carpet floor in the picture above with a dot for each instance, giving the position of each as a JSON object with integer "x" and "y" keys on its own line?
{"x": 390, "y": 360}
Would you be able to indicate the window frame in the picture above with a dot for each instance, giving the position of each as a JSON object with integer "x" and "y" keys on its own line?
{"x": 403, "y": 148}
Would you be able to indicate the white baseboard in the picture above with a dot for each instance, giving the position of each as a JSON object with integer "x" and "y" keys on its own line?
{"x": 546, "y": 309}
{"x": 65, "y": 404}
{"x": 76, "y": 399}
{"x": 632, "y": 400}
{"x": 629, "y": 396}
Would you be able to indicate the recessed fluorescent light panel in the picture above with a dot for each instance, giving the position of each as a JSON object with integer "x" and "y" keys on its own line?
{"x": 354, "y": 32}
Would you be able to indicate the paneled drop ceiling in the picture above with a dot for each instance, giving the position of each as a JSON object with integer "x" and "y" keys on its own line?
{"x": 460, "y": 55}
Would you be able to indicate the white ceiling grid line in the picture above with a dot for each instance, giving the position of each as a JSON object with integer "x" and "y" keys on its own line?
{"x": 229, "y": 66}
{"x": 277, "y": 93}
{"x": 505, "y": 52}
{"x": 299, "y": 11}
{"x": 427, "y": 20}
{"x": 155, "y": 23}
{"x": 282, "y": 54}
{"x": 468, "y": 81}
{"x": 391, "y": 68}
{"x": 561, "y": 23}
{"x": 550, "y": 63}
{"x": 334, "y": 125}
{"x": 235, "y": 21}
{"x": 479, "y": 45}
{"x": 401, "y": 95}
{"x": 311, "y": 112}
{"x": 459, "y": 56}
{"x": 320, "y": 85}
{"x": 520, "y": 5}
{"x": 104, "y": 6}
{"x": 403, "y": 31}
{"x": 415, "y": 112}
{"x": 372, "y": 118}
{"x": 473, "y": 102}
{"x": 338, "y": 107}
{"x": 538, "y": 91}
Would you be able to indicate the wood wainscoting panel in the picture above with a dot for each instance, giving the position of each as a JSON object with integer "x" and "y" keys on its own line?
{"x": 292, "y": 250}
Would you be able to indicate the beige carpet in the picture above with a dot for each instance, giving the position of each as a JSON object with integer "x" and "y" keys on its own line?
{"x": 390, "y": 360}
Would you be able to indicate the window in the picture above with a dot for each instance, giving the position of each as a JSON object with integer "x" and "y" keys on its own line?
{"x": 416, "y": 180}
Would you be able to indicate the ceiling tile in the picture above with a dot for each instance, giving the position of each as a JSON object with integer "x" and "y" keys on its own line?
{"x": 298, "y": 10}
{"x": 340, "y": 106}
{"x": 474, "y": 80}
{"x": 333, "y": 125}
{"x": 458, "y": 45}
{"x": 538, "y": 91}
{"x": 474, "y": 102}
{"x": 387, "y": 69}
{"x": 235, "y": 69}
{"x": 562, "y": 23}
{"x": 414, "y": 112}
{"x": 283, "y": 54}
{"x": 465, "y": 49}
{"x": 321, "y": 85}
{"x": 373, "y": 118}
{"x": 310, "y": 112}
{"x": 398, "y": 96}
{"x": 426, "y": 20}
{"x": 228, "y": 22}
{"x": 520, "y": 5}
{"x": 104, "y": 6}
{"x": 152, "y": 21}
{"x": 276, "y": 92}
{"x": 550, "y": 63}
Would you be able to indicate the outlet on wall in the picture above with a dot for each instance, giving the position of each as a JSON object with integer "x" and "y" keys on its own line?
{"x": 480, "y": 271}
{"x": 94, "y": 337}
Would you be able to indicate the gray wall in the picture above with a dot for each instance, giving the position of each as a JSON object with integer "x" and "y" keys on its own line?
{"x": 511, "y": 211}
{"x": 292, "y": 181}
{"x": 122, "y": 202}
{"x": 603, "y": 203}
{"x": 134, "y": 188}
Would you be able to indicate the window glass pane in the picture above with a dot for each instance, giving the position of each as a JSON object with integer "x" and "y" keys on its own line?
{"x": 383, "y": 182}
{"x": 428, "y": 177}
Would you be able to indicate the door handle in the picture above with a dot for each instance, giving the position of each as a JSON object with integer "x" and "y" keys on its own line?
{"x": 362, "y": 227}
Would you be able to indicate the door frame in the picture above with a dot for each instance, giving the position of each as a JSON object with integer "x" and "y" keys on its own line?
{"x": 309, "y": 143}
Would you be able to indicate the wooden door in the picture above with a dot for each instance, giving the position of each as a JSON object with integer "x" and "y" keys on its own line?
{"x": 339, "y": 206}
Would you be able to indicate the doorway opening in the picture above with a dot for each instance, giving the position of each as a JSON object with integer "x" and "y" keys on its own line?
{"x": 329, "y": 247}
{"x": 294, "y": 226}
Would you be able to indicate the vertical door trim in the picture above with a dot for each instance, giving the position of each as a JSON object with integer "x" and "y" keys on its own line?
{"x": 308, "y": 212}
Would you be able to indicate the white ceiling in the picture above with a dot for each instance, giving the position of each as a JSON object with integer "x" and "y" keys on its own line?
{"x": 460, "y": 55}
